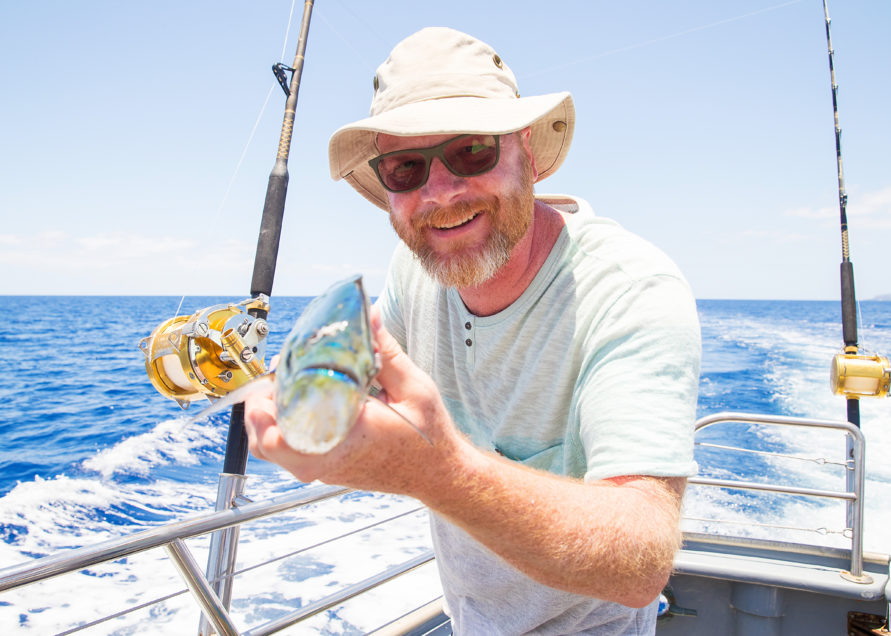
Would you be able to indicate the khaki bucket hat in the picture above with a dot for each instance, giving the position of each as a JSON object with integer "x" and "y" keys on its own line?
{"x": 442, "y": 81}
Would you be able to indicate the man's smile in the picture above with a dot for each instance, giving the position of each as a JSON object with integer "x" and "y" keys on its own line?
{"x": 449, "y": 225}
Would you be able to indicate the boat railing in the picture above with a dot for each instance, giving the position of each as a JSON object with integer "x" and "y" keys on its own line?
{"x": 852, "y": 495}
{"x": 172, "y": 536}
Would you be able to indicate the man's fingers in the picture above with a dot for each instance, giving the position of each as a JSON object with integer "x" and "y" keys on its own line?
{"x": 259, "y": 418}
{"x": 397, "y": 369}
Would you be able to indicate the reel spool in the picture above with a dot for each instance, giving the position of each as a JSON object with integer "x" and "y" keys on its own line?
{"x": 856, "y": 376}
{"x": 208, "y": 354}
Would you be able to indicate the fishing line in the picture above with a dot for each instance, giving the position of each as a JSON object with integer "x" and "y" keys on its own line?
{"x": 287, "y": 31}
{"x": 181, "y": 301}
{"x": 170, "y": 337}
{"x": 404, "y": 419}
{"x": 672, "y": 36}
{"x": 259, "y": 118}
{"x": 862, "y": 340}
{"x": 246, "y": 146}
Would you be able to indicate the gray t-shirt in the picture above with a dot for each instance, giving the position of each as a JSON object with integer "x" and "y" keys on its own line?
{"x": 592, "y": 373}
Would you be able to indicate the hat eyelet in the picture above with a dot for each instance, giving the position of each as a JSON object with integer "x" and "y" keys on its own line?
{"x": 497, "y": 59}
{"x": 559, "y": 125}
{"x": 377, "y": 83}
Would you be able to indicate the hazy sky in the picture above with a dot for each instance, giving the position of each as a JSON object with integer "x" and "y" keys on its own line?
{"x": 130, "y": 161}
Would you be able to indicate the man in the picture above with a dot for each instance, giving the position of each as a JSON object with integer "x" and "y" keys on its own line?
{"x": 551, "y": 357}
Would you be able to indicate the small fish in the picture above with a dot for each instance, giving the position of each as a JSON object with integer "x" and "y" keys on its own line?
{"x": 325, "y": 372}
{"x": 326, "y": 368}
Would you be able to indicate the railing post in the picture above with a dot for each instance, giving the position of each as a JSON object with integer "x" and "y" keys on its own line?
{"x": 223, "y": 546}
{"x": 858, "y": 483}
{"x": 851, "y": 462}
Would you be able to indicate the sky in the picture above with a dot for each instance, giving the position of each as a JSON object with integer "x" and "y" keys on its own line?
{"x": 136, "y": 139}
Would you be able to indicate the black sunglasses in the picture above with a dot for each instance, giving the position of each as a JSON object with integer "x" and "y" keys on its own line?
{"x": 465, "y": 156}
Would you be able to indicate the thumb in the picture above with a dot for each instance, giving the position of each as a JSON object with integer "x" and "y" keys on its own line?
{"x": 397, "y": 370}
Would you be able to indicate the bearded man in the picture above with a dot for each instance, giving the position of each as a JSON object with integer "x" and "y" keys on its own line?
{"x": 551, "y": 357}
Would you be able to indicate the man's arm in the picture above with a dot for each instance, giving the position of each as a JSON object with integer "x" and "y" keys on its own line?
{"x": 614, "y": 539}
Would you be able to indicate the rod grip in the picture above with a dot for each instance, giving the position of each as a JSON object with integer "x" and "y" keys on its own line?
{"x": 849, "y": 304}
{"x": 270, "y": 232}
{"x": 235, "y": 460}
{"x": 853, "y": 412}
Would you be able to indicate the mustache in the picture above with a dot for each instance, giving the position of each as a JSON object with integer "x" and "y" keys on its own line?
{"x": 446, "y": 215}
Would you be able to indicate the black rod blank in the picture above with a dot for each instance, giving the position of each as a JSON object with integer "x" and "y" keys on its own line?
{"x": 848, "y": 296}
{"x": 236, "y": 457}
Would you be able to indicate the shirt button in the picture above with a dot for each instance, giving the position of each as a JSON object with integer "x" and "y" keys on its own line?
{"x": 468, "y": 342}
{"x": 467, "y": 325}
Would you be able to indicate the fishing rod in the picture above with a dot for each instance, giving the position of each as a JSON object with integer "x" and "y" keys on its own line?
{"x": 848, "y": 296}
{"x": 221, "y": 348}
{"x": 218, "y": 349}
{"x": 270, "y": 227}
{"x": 221, "y": 559}
{"x": 853, "y": 374}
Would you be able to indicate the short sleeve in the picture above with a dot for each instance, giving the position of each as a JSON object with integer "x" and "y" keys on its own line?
{"x": 389, "y": 302}
{"x": 637, "y": 393}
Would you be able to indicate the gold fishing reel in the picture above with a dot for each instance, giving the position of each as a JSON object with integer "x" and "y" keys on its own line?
{"x": 208, "y": 354}
{"x": 854, "y": 375}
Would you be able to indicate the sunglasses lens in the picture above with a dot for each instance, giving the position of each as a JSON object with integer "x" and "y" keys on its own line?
{"x": 403, "y": 172}
{"x": 471, "y": 155}
{"x": 465, "y": 156}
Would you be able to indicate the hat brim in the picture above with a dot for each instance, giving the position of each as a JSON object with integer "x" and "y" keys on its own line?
{"x": 551, "y": 118}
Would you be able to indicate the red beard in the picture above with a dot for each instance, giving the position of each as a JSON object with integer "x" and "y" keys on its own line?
{"x": 469, "y": 263}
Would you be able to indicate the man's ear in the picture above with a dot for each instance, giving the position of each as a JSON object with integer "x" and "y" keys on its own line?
{"x": 525, "y": 136}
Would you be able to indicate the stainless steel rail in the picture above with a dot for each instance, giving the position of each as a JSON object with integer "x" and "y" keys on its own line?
{"x": 79, "y": 558}
{"x": 214, "y": 609}
{"x": 172, "y": 536}
{"x": 853, "y": 497}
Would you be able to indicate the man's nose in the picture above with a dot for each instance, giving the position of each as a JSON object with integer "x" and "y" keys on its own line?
{"x": 442, "y": 186}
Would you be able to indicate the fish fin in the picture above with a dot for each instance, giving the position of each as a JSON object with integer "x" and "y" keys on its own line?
{"x": 404, "y": 419}
{"x": 233, "y": 397}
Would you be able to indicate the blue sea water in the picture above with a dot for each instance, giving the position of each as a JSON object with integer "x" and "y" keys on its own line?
{"x": 90, "y": 450}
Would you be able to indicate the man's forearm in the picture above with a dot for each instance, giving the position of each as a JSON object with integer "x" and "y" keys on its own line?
{"x": 612, "y": 539}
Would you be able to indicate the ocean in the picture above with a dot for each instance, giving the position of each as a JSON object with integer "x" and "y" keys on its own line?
{"x": 91, "y": 451}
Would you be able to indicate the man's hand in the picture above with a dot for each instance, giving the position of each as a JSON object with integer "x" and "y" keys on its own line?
{"x": 381, "y": 452}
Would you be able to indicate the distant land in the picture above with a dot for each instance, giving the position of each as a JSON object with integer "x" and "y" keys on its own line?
{"x": 881, "y": 297}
